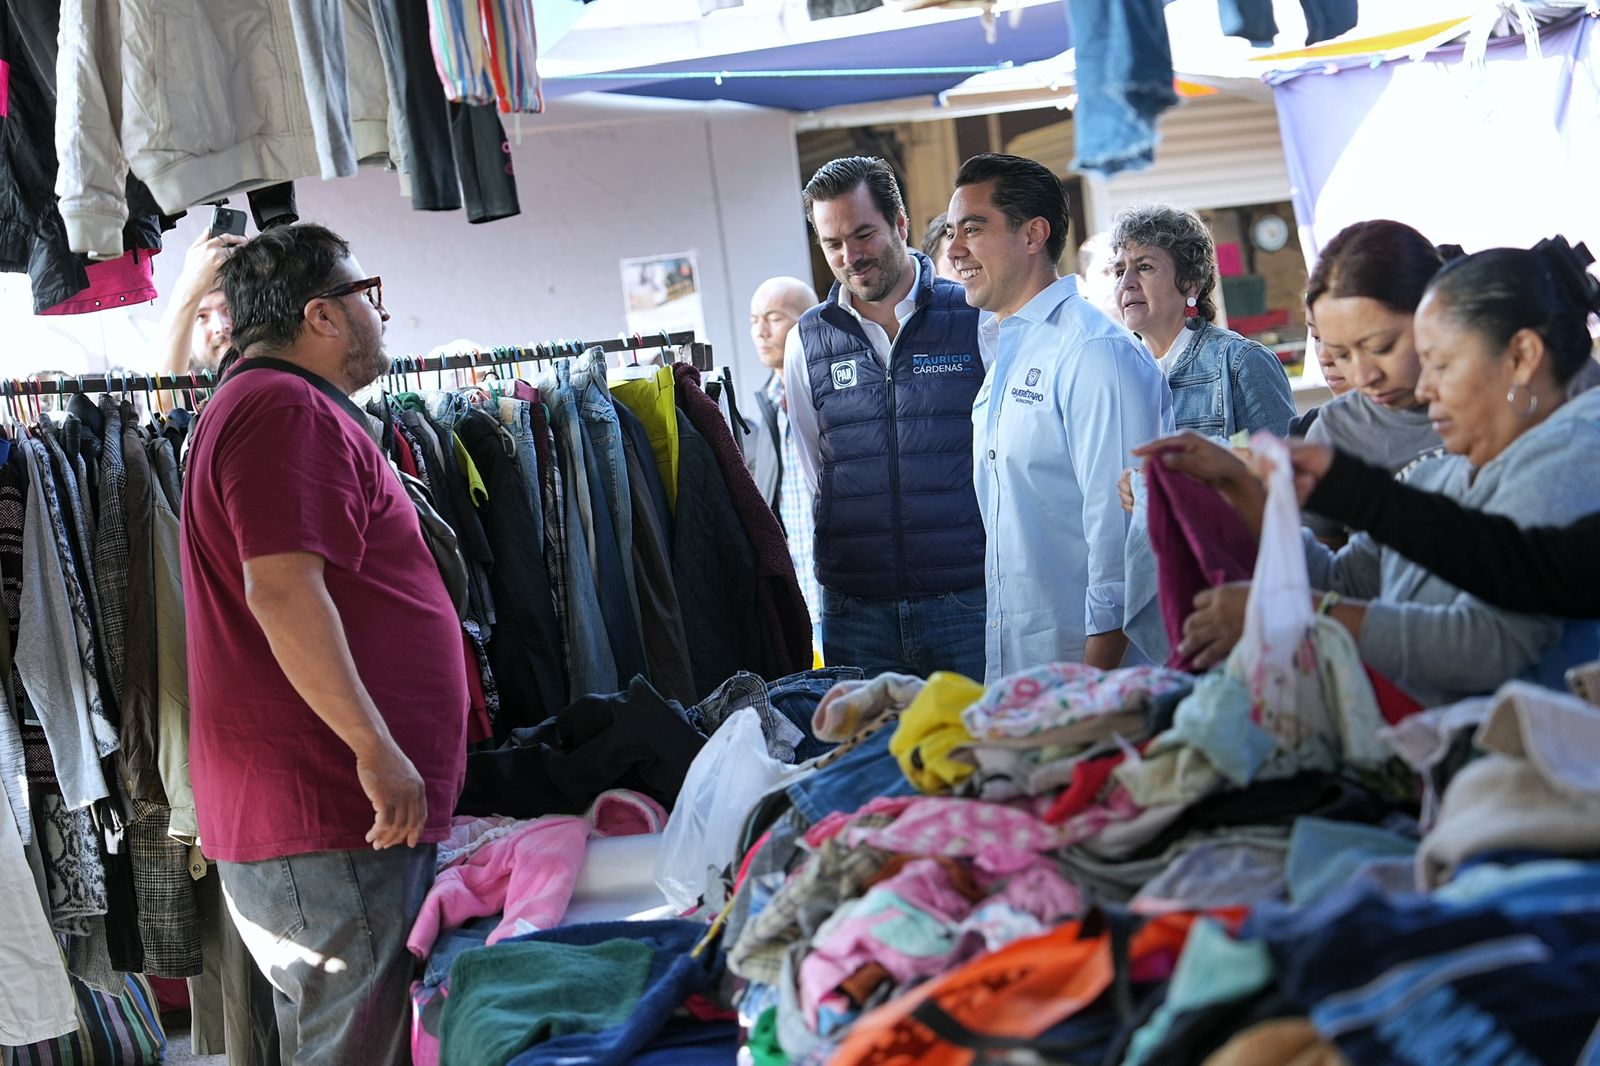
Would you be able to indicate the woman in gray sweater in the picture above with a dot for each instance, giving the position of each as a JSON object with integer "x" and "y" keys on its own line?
{"x": 1499, "y": 335}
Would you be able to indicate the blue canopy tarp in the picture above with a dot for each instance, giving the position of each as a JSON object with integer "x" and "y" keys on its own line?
{"x": 891, "y": 63}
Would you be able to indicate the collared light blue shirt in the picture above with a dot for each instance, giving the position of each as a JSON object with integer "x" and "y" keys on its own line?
{"x": 1067, "y": 395}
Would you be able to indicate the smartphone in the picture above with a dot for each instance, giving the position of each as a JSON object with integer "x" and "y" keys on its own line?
{"x": 227, "y": 220}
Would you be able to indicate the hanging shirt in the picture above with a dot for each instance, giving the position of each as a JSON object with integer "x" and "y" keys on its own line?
{"x": 1068, "y": 394}
{"x": 795, "y": 503}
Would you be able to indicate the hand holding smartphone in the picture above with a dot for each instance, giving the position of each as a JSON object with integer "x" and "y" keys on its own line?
{"x": 227, "y": 220}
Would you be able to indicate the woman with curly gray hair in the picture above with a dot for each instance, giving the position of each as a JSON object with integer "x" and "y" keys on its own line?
{"x": 1166, "y": 270}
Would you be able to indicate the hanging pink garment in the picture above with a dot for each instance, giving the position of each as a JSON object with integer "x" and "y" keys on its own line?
{"x": 1200, "y": 542}
{"x": 120, "y": 282}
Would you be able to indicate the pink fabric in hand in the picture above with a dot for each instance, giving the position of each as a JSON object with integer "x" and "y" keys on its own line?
{"x": 1200, "y": 542}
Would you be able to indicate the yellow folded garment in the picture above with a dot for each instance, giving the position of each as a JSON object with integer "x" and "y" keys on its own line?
{"x": 931, "y": 728}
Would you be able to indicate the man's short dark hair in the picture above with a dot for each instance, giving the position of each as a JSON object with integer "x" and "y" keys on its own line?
{"x": 269, "y": 279}
{"x": 1023, "y": 190}
{"x": 844, "y": 176}
{"x": 933, "y": 240}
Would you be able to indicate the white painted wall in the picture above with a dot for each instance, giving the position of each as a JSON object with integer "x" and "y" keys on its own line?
{"x": 599, "y": 180}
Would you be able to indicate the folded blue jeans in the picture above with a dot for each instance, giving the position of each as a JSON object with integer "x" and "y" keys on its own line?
{"x": 796, "y": 698}
{"x": 858, "y": 777}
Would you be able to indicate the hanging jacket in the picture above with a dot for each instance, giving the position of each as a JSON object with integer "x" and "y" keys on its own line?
{"x": 212, "y": 101}
{"x": 896, "y": 514}
{"x": 525, "y": 649}
{"x": 781, "y": 605}
{"x": 714, "y": 566}
{"x": 33, "y": 238}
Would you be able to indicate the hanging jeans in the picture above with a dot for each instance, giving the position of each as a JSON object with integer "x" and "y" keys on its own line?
{"x": 1124, "y": 82}
{"x": 622, "y": 627}
{"x": 1327, "y": 19}
{"x": 517, "y": 418}
{"x": 592, "y": 663}
{"x": 1250, "y": 19}
{"x": 604, "y": 427}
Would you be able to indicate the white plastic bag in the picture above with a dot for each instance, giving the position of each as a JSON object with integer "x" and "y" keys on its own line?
{"x": 725, "y": 781}
{"x": 1275, "y": 656}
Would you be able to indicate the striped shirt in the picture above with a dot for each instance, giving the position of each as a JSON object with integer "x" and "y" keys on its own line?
{"x": 487, "y": 53}
{"x": 795, "y": 503}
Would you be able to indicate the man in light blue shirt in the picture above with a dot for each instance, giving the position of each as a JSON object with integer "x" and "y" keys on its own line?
{"x": 1066, "y": 396}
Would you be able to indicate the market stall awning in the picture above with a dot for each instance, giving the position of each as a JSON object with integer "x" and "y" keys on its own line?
{"x": 1500, "y": 150}
{"x": 763, "y": 54}
{"x": 1203, "y": 58}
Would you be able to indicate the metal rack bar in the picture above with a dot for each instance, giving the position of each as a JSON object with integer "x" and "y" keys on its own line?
{"x": 63, "y": 385}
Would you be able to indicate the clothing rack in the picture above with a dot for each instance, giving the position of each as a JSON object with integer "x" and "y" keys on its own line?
{"x": 67, "y": 385}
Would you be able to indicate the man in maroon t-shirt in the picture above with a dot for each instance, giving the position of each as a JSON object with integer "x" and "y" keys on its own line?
{"x": 328, "y": 696}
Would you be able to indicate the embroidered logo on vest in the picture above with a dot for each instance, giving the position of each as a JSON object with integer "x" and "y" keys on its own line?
{"x": 941, "y": 364}
{"x": 844, "y": 374}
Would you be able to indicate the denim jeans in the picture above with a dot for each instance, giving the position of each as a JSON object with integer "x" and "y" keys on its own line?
{"x": 796, "y": 698}
{"x": 605, "y": 445}
{"x": 858, "y": 777}
{"x": 301, "y": 914}
{"x": 517, "y": 418}
{"x": 591, "y": 665}
{"x": 1124, "y": 82}
{"x": 612, "y": 511}
{"x": 1250, "y": 19}
{"x": 910, "y": 636}
{"x": 1327, "y": 19}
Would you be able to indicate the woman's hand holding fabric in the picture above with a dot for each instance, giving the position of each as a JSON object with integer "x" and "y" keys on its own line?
{"x": 1213, "y": 464}
{"x": 1215, "y": 625}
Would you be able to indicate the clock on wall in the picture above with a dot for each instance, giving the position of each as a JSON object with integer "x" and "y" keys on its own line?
{"x": 1270, "y": 233}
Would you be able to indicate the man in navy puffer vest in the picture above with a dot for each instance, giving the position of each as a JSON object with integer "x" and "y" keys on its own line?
{"x": 880, "y": 379}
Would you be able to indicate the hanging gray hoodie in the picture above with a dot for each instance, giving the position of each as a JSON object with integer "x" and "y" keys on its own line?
{"x": 1429, "y": 637}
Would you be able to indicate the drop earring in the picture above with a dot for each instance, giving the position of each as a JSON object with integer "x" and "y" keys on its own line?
{"x": 1191, "y": 314}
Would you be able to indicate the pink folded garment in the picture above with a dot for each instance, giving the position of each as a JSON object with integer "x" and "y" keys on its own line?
{"x": 527, "y": 872}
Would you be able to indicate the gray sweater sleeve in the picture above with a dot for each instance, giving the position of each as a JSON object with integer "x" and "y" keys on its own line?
{"x": 1355, "y": 570}
{"x": 1462, "y": 646}
{"x": 1442, "y": 640}
{"x": 1465, "y": 646}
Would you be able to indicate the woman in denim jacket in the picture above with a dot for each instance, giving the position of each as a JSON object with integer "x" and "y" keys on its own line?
{"x": 1166, "y": 270}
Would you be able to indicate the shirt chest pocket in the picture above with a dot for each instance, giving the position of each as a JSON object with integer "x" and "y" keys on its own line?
{"x": 1197, "y": 400}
